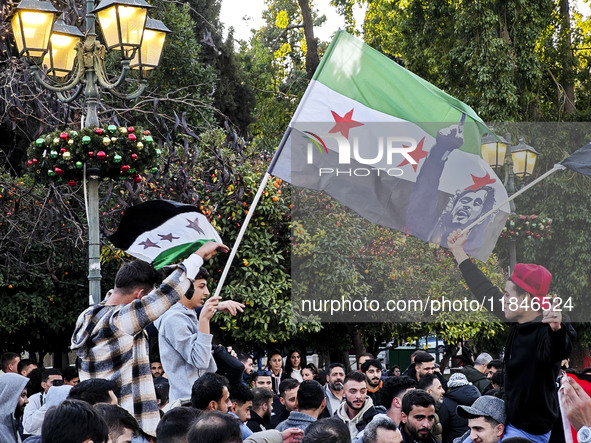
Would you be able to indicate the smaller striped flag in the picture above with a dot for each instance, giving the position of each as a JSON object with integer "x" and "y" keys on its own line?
{"x": 163, "y": 232}
{"x": 580, "y": 160}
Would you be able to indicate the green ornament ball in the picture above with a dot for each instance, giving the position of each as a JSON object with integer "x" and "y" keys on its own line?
{"x": 53, "y": 154}
{"x": 79, "y": 165}
{"x": 39, "y": 142}
{"x": 116, "y": 158}
{"x": 148, "y": 139}
{"x": 112, "y": 128}
{"x": 86, "y": 140}
{"x": 153, "y": 170}
{"x": 158, "y": 152}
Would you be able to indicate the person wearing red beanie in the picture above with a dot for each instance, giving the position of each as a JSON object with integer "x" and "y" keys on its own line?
{"x": 536, "y": 344}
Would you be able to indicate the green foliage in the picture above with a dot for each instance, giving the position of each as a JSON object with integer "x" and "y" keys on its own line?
{"x": 182, "y": 84}
{"x": 43, "y": 283}
{"x": 277, "y": 94}
{"x": 467, "y": 48}
{"x": 340, "y": 256}
{"x": 231, "y": 92}
{"x": 260, "y": 274}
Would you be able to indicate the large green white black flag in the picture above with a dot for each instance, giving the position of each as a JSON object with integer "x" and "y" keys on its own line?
{"x": 392, "y": 147}
{"x": 163, "y": 231}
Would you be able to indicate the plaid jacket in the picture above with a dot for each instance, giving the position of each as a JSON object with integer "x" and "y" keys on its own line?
{"x": 111, "y": 343}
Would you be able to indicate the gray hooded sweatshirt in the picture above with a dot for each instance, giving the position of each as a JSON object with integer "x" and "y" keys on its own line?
{"x": 55, "y": 396}
{"x": 11, "y": 387}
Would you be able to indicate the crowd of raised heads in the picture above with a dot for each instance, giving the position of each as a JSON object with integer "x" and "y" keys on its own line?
{"x": 196, "y": 391}
{"x": 286, "y": 400}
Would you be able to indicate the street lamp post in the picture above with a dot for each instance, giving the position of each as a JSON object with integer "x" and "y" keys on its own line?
{"x": 517, "y": 161}
{"x": 63, "y": 60}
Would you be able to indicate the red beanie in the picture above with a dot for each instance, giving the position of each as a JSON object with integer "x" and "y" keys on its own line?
{"x": 534, "y": 279}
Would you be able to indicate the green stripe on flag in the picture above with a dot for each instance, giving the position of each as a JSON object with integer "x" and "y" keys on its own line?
{"x": 178, "y": 252}
{"x": 356, "y": 70}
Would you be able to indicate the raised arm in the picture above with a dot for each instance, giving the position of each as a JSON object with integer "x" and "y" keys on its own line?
{"x": 421, "y": 214}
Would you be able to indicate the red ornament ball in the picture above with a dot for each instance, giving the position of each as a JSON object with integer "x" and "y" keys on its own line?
{"x": 91, "y": 153}
{"x": 58, "y": 171}
{"x": 101, "y": 155}
{"x": 132, "y": 137}
{"x": 146, "y": 132}
{"x": 72, "y": 183}
{"x": 64, "y": 135}
{"x": 130, "y": 129}
{"x": 29, "y": 163}
{"x": 124, "y": 168}
{"x": 35, "y": 161}
{"x": 63, "y": 150}
{"x": 134, "y": 156}
{"x": 99, "y": 131}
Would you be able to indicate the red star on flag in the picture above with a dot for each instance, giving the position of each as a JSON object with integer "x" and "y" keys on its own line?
{"x": 417, "y": 155}
{"x": 479, "y": 182}
{"x": 344, "y": 123}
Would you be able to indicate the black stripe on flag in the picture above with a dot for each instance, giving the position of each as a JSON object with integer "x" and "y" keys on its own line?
{"x": 144, "y": 217}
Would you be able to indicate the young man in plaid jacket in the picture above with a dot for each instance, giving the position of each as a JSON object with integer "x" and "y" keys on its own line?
{"x": 110, "y": 338}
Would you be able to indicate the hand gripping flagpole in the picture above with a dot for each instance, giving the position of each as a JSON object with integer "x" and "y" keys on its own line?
{"x": 253, "y": 206}
{"x": 557, "y": 167}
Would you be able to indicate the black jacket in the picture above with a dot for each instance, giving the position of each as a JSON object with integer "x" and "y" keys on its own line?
{"x": 453, "y": 425}
{"x": 533, "y": 353}
{"x": 257, "y": 423}
{"x": 368, "y": 416}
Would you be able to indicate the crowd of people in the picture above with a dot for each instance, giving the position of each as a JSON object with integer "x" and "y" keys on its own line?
{"x": 197, "y": 392}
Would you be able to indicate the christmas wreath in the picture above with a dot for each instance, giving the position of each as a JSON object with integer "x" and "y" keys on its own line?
{"x": 118, "y": 153}
{"x": 527, "y": 226}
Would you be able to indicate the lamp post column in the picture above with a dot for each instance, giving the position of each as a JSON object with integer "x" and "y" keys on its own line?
{"x": 91, "y": 97}
{"x": 510, "y": 187}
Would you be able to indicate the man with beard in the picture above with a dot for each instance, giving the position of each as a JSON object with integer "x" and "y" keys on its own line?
{"x": 286, "y": 402}
{"x": 477, "y": 374}
{"x": 333, "y": 390}
{"x": 432, "y": 385}
{"x": 418, "y": 417}
{"x": 358, "y": 409}
{"x": 260, "y": 414}
{"x": 424, "y": 219}
{"x": 13, "y": 398}
{"x": 372, "y": 369}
